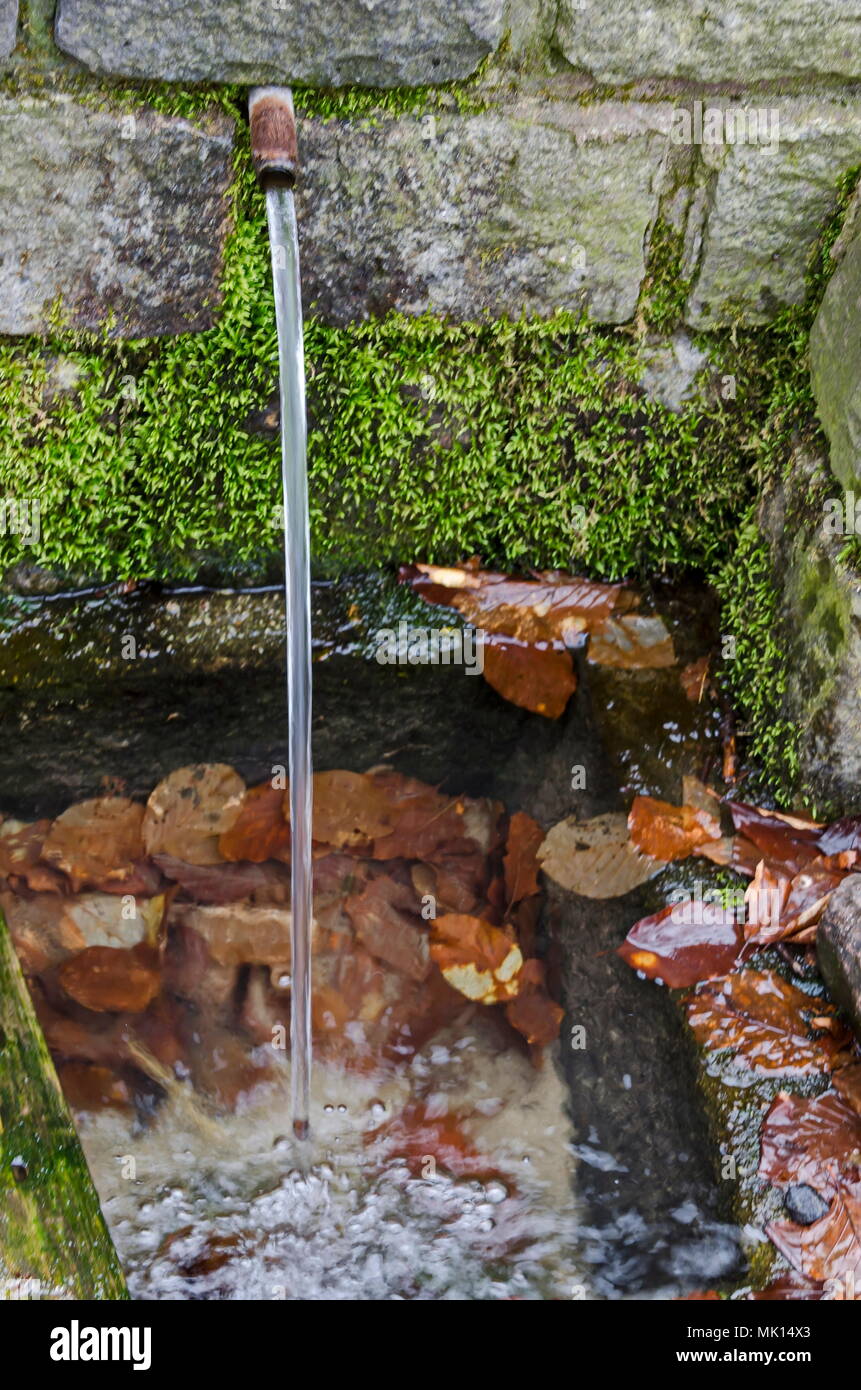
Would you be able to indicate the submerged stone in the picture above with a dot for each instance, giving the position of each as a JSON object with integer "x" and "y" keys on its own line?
{"x": 838, "y": 947}
{"x": 388, "y": 43}
{"x": 115, "y": 218}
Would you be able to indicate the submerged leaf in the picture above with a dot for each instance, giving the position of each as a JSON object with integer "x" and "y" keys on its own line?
{"x": 525, "y": 837}
{"x": 98, "y": 839}
{"x": 476, "y": 958}
{"x": 261, "y": 830}
{"x": 112, "y": 980}
{"x": 631, "y": 643}
{"x": 667, "y": 832}
{"x": 595, "y": 858}
{"x": 190, "y": 810}
{"x": 812, "y": 1141}
{"x": 537, "y": 678}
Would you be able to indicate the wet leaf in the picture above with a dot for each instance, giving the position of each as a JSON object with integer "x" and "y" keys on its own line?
{"x": 41, "y": 932}
{"x": 389, "y": 931}
{"x": 226, "y": 883}
{"x": 351, "y": 809}
{"x": 21, "y": 856}
{"x": 847, "y": 1081}
{"x": 684, "y": 943}
{"x": 261, "y": 830}
{"x": 525, "y": 838}
{"x": 840, "y": 836}
{"x": 789, "y": 1287}
{"x": 239, "y": 934}
{"x": 763, "y": 1020}
{"x": 538, "y": 678}
{"x": 663, "y": 831}
{"x": 104, "y": 920}
{"x": 694, "y": 679}
{"x": 477, "y": 959}
{"x": 418, "y": 1135}
{"x": 533, "y": 1013}
{"x": 190, "y": 810}
{"x": 829, "y": 1249}
{"x": 813, "y": 1141}
{"x": 631, "y": 643}
{"x": 433, "y": 826}
{"x": 790, "y": 841}
{"x": 107, "y": 979}
{"x": 595, "y": 858}
{"x": 552, "y": 607}
{"x": 92, "y": 1088}
{"x": 96, "y": 840}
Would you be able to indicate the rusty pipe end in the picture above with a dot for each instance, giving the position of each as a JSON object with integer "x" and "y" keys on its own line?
{"x": 274, "y": 150}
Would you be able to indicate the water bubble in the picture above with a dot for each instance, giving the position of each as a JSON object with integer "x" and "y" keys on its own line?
{"x": 342, "y": 1109}
{"x": 495, "y": 1192}
{"x": 329, "y": 1109}
{"x": 377, "y": 1107}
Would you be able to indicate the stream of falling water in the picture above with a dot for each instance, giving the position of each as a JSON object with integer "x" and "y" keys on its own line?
{"x": 284, "y": 242}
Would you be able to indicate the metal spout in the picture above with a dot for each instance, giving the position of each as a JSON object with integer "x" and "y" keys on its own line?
{"x": 274, "y": 151}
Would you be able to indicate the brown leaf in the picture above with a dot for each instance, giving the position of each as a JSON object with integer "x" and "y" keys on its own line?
{"x": 415, "y": 1135}
{"x": 432, "y": 826}
{"x": 190, "y": 810}
{"x": 477, "y": 959}
{"x": 632, "y": 643}
{"x": 92, "y": 1088}
{"x": 830, "y": 1248}
{"x": 789, "y": 1287}
{"x": 790, "y": 841}
{"x": 538, "y": 678}
{"x": 667, "y": 832}
{"x": 96, "y": 840}
{"x": 226, "y": 883}
{"x": 763, "y": 1020}
{"x": 847, "y": 1081}
{"x": 694, "y": 678}
{"x": 102, "y": 919}
{"x": 812, "y": 1141}
{"x": 595, "y": 858}
{"x": 108, "y": 979}
{"x": 41, "y": 931}
{"x": 684, "y": 943}
{"x": 552, "y": 607}
{"x": 261, "y": 831}
{"x": 533, "y": 1013}
{"x": 525, "y": 838}
{"x": 351, "y": 809}
{"x": 388, "y": 931}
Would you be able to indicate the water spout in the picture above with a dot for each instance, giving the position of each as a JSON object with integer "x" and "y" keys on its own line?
{"x": 273, "y": 147}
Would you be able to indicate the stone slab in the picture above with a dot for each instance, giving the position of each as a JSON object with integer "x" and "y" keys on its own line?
{"x": 328, "y": 43}
{"x": 711, "y": 40}
{"x": 118, "y": 215}
{"x": 529, "y": 208}
{"x": 8, "y": 26}
{"x": 835, "y": 364}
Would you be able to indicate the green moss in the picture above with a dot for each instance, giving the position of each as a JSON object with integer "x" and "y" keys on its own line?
{"x": 665, "y": 291}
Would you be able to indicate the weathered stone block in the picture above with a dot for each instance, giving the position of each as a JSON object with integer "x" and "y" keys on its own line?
{"x": 538, "y": 206}
{"x": 329, "y": 43}
{"x": 819, "y": 626}
{"x": 120, "y": 216}
{"x": 8, "y": 26}
{"x": 768, "y": 203}
{"x": 835, "y": 362}
{"x": 838, "y": 947}
{"x": 710, "y": 40}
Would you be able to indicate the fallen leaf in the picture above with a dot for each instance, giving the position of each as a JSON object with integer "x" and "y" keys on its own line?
{"x": 595, "y": 858}
{"x": 632, "y": 643}
{"x": 812, "y": 1141}
{"x": 847, "y": 1081}
{"x": 694, "y": 677}
{"x": 684, "y": 943}
{"x": 789, "y": 1287}
{"x": 552, "y": 607}
{"x": 351, "y": 809}
{"x": 389, "y": 931}
{"x": 538, "y": 678}
{"x": 533, "y": 1013}
{"x": 525, "y": 838}
{"x": 97, "y": 839}
{"x": 790, "y": 841}
{"x": 829, "y": 1249}
{"x": 667, "y": 832}
{"x": 428, "y": 1141}
{"x": 93, "y": 1088}
{"x": 226, "y": 883}
{"x": 104, "y": 920}
{"x": 477, "y": 959}
{"x": 109, "y": 979}
{"x": 261, "y": 831}
{"x": 432, "y": 826}
{"x": 763, "y": 1020}
{"x": 190, "y": 810}
{"x": 20, "y": 857}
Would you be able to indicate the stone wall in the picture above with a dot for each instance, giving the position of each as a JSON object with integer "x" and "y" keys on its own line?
{"x": 534, "y": 189}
